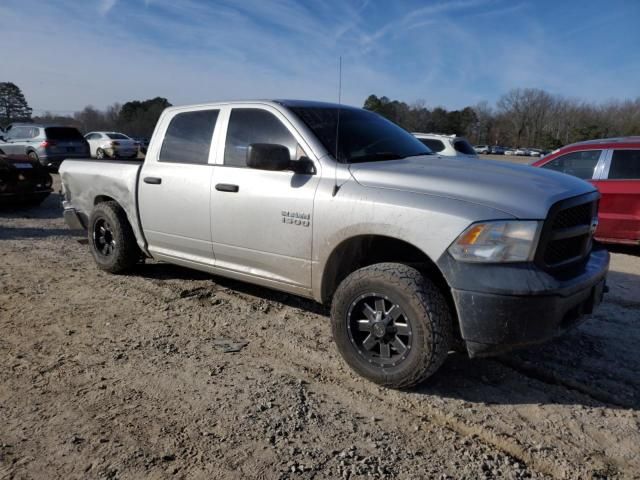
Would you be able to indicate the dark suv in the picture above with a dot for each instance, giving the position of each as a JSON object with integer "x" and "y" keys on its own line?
{"x": 48, "y": 144}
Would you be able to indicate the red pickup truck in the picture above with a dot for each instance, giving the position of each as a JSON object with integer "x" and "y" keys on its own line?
{"x": 613, "y": 166}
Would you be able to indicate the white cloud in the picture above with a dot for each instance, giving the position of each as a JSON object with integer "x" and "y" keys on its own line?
{"x": 193, "y": 51}
{"x": 106, "y": 6}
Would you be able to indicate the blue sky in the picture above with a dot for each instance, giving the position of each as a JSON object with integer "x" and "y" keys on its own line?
{"x": 66, "y": 54}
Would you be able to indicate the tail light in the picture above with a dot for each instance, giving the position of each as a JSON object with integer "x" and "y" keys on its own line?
{"x": 115, "y": 144}
{"x": 48, "y": 143}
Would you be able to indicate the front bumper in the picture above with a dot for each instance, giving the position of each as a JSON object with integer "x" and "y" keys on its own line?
{"x": 505, "y": 306}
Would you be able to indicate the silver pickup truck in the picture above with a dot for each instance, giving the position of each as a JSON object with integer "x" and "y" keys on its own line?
{"x": 416, "y": 254}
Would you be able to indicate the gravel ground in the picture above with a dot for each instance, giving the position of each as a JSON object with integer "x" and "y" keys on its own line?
{"x": 168, "y": 372}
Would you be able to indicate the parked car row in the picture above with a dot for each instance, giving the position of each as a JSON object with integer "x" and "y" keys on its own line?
{"x": 519, "y": 152}
{"x": 51, "y": 144}
{"x": 612, "y": 165}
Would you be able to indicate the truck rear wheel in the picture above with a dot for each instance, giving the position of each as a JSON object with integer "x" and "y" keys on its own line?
{"x": 391, "y": 324}
{"x": 111, "y": 239}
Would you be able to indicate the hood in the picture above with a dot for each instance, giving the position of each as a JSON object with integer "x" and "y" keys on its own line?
{"x": 518, "y": 190}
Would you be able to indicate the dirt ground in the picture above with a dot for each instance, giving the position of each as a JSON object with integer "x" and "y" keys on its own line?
{"x": 170, "y": 373}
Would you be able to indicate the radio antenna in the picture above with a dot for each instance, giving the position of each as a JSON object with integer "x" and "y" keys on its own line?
{"x": 335, "y": 169}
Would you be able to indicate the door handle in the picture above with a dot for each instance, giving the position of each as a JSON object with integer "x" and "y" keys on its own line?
{"x": 227, "y": 187}
{"x": 153, "y": 180}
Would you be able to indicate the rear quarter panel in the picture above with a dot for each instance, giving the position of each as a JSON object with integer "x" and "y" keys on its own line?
{"x": 86, "y": 182}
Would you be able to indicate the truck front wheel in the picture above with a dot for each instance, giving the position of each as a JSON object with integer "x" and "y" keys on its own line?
{"x": 111, "y": 239}
{"x": 391, "y": 324}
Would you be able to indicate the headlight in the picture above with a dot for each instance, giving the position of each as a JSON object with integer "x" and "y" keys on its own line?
{"x": 495, "y": 242}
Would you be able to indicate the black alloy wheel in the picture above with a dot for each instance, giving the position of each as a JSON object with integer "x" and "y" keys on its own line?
{"x": 379, "y": 329}
{"x": 103, "y": 238}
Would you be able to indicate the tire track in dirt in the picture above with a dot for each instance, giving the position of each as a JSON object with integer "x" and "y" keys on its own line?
{"x": 443, "y": 414}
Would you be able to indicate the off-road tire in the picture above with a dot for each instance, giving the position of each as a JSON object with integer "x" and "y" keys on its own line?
{"x": 126, "y": 252}
{"x": 426, "y": 309}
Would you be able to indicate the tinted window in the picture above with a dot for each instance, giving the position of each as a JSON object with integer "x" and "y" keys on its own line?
{"x": 63, "y": 133}
{"x": 625, "y": 164}
{"x": 435, "y": 145}
{"x": 364, "y": 136}
{"x": 249, "y": 125}
{"x": 117, "y": 136}
{"x": 578, "y": 164}
{"x": 188, "y": 137}
{"x": 463, "y": 146}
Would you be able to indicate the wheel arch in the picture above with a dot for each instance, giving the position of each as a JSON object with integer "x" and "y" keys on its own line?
{"x": 132, "y": 219}
{"x": 366, "y": 249}
{"x": 105, "y": 198}
{"x": 363, "y": 250}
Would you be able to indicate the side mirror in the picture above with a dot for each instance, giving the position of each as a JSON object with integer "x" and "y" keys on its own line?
{"x": 268, "y": 156}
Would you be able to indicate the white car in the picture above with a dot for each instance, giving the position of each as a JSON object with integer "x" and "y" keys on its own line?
{"x": 111, "y": 144}
{"x": 535, "y": 152}
{"x": 510, "y": 151}
{"x": 484, "y": 149}
{"x": 447, "y": 145}
{"x": 521, "y": 152}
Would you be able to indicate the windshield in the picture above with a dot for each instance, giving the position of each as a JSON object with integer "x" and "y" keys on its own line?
{"x": 364, "y": 136}
{"x": 117, "y": 136}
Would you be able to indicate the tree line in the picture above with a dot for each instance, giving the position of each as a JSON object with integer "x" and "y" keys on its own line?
{"x": 523, "y": 117}
{"x": 135, "y": 118}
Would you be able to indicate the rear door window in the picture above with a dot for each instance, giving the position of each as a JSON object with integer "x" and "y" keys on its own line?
{"x": 435, "y": 145}
{"x": 188, "y": 137}
{"x": 625, "y": 165}
{"x": 253, "y": 125}
{"x": 579, "y": 164}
